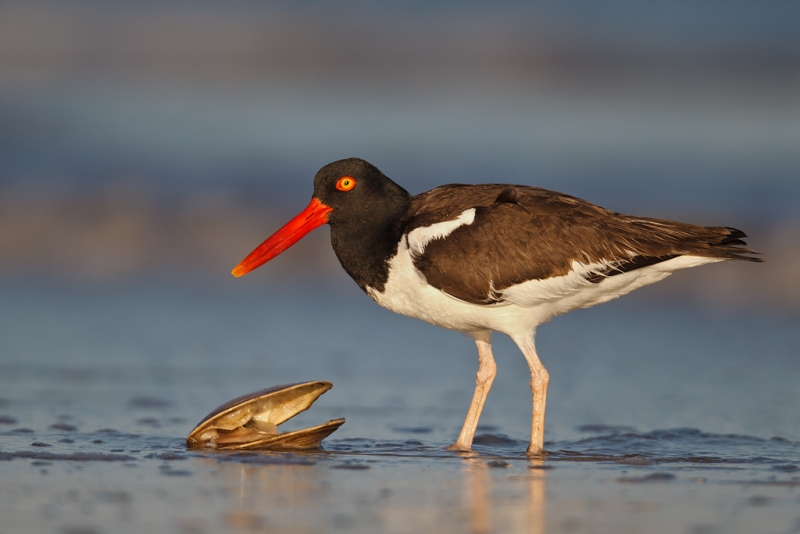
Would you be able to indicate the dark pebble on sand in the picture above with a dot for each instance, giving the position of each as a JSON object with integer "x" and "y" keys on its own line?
{"x": 495, "y": 440}
{"x": 264, "y": 459}
{"x": 653, "y": 477}
{"x": 354, "y": 467}
{"x": 167, "y": 471}
{"x": 165, "y": 456}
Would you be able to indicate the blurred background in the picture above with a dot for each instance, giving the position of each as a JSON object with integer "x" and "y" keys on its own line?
{"x": 163, "y": 141}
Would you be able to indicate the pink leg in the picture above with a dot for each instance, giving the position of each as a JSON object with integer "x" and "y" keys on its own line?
{"x": 487, "y": 370}
{"x": 540, "y": 379}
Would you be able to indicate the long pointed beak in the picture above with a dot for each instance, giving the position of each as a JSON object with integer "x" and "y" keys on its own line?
{"x": 315, "y": 214}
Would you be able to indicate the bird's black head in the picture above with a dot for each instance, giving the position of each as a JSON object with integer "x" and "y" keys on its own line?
{"x": 358, "y": 192}
{"x": 360, "y": 203}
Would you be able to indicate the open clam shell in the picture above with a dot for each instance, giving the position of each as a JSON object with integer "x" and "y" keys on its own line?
{"x": 250, "y": 422}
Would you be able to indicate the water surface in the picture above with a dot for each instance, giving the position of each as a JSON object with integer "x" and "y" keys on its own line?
{"x": 660, "y": 418}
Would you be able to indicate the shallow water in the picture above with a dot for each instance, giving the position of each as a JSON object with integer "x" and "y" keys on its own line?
{"x": 661, "y": 419}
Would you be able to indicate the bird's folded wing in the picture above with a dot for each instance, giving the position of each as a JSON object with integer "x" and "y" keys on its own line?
{"x": 555, "y": 243}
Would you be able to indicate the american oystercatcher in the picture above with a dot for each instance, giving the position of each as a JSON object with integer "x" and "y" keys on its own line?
{"x": 491, "y": 257}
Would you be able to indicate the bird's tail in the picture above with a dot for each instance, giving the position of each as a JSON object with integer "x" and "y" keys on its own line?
{"x": 731, "y": 245}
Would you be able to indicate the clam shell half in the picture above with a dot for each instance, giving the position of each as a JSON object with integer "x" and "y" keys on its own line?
{"x": 250, "y": 422}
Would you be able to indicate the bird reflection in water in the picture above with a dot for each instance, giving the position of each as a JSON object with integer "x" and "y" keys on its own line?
{"x": 477, "y": 497}
{"x": 537, "y": 494}
{"x": 477, "y": 494}
{"x": 315, "y": 493}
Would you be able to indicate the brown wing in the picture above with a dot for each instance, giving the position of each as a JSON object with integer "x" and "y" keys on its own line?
{"x": 524, "y": 233}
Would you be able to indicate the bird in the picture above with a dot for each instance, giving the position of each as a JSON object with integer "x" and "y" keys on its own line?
{"x": 491, "y": 258}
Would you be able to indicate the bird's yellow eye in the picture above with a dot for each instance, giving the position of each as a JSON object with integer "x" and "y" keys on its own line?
{"x": 346, "y": 183}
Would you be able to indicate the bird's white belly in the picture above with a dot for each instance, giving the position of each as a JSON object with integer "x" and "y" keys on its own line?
{"x": 524, "y": 306}
{"x": 408, "y": 293}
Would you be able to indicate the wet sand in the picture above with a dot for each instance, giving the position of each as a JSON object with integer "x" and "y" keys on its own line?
{"x": 153, "y": 484}
{"x": 661, "y": 419}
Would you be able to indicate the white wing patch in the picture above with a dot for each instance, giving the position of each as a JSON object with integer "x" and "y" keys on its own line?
{"x": 573, "y": 290}
{"x": 535, "y": 292}
{"x": 419, "y": 238}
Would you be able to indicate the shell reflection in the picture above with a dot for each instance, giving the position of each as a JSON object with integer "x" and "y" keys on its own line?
{"x": 250, "y": 422}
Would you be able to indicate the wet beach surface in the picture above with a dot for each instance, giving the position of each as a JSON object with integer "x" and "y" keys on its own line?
{"x": 661, "y": 418}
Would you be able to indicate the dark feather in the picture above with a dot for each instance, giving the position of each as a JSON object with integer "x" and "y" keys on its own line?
{"x": 524, "y": 233}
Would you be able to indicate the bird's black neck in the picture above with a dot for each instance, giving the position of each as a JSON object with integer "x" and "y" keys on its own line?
{"x": 365, "y": 244}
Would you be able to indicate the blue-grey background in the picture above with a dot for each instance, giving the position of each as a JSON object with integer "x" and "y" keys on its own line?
{"x": 167, "y": 139}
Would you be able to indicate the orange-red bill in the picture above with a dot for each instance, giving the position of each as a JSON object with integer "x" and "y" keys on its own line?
{"x": 315, "y": 214}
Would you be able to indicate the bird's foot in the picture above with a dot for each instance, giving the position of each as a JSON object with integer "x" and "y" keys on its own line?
{"x": 535, "y": 452}
{"x": 459, "y": 447}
